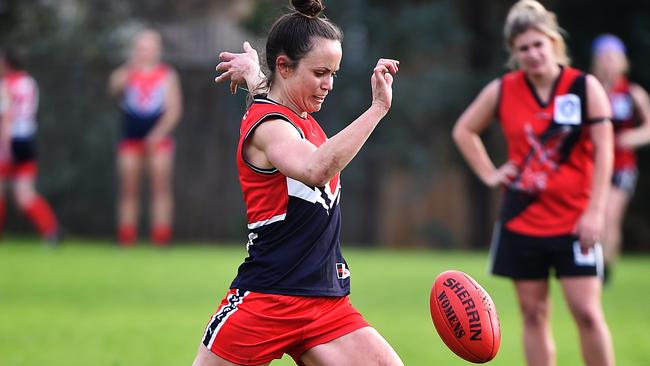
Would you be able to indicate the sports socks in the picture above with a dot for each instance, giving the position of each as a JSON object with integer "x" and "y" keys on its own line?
{"x": 161, "y": 234}
{"x": 126, "y": 235}
{"x": 41, "y": 215}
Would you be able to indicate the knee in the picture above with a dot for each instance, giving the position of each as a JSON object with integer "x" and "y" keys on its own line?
{"x": 535, "y": 316}
{"x": 24, "y": 197}
{"x": 587, "y": 318}
{"x": 161, "y": 187}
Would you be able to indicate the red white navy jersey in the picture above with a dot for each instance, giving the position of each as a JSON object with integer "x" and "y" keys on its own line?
{"x": 551, "y": 146}
{"x": 624, "y": 118}
{"x": 293, "y": 244}
{"x": 19, "y": 96}
{"x": 143, "y": 100}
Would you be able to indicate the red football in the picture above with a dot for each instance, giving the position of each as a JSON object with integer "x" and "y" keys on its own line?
{"x": 465, "y": 317}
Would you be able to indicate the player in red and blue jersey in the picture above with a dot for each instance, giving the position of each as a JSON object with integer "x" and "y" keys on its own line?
{"x": 290, "y": 294}
{"x": 555, "y": 121}
{"x": 631, "y": 120}
{"x": 151, "y": 104}
{"x": 18, "y": 166}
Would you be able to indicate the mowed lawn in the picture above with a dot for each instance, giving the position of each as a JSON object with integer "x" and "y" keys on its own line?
{"x": 90, "y": 303}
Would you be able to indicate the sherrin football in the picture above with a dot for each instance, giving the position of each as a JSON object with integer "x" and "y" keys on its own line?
{"x": 465, "y": 317}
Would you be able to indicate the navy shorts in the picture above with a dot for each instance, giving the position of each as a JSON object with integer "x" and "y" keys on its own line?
{"x": 525, "y": 257}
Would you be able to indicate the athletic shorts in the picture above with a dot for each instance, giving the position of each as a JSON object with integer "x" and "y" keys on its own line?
{"x": 23, "y": 160}
{"x": 625, "y": 179}
{"x": 252, "y": 328}
{"x": 527, "y": 257}
{"x": 139, "y": 146}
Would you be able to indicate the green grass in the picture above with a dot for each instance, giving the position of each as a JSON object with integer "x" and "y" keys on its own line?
{"x": 89, "y": 303}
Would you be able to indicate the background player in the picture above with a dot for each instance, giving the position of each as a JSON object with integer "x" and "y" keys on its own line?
{"x": 151, "y": 104}
{"x": 556, "y": 123}
{"x": 18, "y": 166}
{"x": 291, "y": 294}
{"x": 631, "y": 121}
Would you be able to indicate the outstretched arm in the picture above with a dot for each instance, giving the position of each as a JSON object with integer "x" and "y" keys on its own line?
{"x": 241, "y": 69}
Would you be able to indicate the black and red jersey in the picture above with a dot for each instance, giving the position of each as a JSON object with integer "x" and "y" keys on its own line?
{"x": 624, "y": 118}
{"x": 293, "y": 244}
{"x": 552, "y": 149}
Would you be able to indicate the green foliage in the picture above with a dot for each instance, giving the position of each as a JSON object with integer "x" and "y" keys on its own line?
{"x": 88, "y": 303}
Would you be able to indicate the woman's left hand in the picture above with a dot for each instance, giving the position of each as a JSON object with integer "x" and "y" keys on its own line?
{"x": 590, "y": 228}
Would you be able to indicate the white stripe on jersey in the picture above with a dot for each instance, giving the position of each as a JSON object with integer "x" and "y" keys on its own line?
{"x": 300, "y": 190}
{"x": 273, "y": 219}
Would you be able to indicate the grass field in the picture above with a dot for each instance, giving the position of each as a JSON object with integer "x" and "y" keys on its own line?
{"x": 89, "y": 303}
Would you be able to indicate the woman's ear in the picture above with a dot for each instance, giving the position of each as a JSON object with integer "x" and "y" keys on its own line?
{"x": 284, "y": 66}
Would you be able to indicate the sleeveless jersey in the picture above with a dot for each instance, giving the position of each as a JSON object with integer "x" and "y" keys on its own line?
{"x": 293, "y": 244}
{"x": 143, "y": 100}
{"x": 550, "y": 144}
{"x": 624, "y": 118}
{"x": 20, "y": 96}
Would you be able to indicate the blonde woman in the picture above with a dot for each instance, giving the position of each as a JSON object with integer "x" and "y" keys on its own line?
{"x": 559, "y": 143}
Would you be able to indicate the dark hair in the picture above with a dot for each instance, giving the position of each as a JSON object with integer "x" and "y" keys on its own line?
{"x": 12, "y": 57}
{"x": 292, "y": 34}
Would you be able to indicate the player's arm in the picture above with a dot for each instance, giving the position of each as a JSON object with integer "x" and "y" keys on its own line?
{"x": 278, "y": 144}
{"x": 241, "y": 69}
{"x": 466, "y": 133}
{"x": 590, "y": 226}
{"x": 173, "y": 109}
{"x": 117, "y": 81}
{"x": 640, "y": 135}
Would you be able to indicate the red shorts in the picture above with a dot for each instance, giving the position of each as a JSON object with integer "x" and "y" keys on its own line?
{"x": 10, "y": 169}
{"x": 139, "y": 146}
{"x": 252, "y": 328}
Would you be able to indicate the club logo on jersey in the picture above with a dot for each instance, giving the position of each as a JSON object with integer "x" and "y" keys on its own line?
{"x": 341, "y": 271}
{"x": 567, "y": 110}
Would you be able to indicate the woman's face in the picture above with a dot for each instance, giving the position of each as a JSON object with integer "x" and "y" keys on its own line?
{"x": 146, "y": 49}
{"x": 610, "y": 64}
{"x": 534, "y": 52}
{"x": 308, "y": 83}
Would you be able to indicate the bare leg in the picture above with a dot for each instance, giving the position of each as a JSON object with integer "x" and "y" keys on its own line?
{"x": 160, "y": 168}
{"x": 206, "y": 358}
{"x": 129, "y": 169}
{"x": 535, "y": 307}
{"x": 35, "y": 207}
{"x": 583, "y": 297}
{"x": 364, "y": 346}
{"x": 3, "y": 206}
{"x": 617, "y": 201}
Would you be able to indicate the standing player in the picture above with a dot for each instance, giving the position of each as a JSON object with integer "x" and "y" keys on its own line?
{"x": 18, "y": 106}
{"x": 631, "y": 120}
{"x": 151, "y": 104}
{"x": 559, "y": 142}
{"x": 291, "y": 293}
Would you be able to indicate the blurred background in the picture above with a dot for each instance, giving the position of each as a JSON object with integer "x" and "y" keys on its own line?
{"x": 408, "y": 187}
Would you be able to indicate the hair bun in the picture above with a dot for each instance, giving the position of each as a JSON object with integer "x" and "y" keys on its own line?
{"x": 310, "y": 8}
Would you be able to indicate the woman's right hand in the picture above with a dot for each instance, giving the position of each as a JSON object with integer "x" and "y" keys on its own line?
{"x": 240, "y": 68}
{"x": 382, "y": 83}
{"x": 501, "y": 176}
